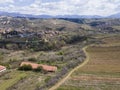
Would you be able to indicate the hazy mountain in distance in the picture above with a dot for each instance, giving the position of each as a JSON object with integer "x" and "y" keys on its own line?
{"x": 58, "y": 16}
{"x": 115, "y": 15}
{"x": 79, "y": 16}
{"x": 47, "y": 16}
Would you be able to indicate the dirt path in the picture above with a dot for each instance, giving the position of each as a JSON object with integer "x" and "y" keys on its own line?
{"x": 69, "y": 74}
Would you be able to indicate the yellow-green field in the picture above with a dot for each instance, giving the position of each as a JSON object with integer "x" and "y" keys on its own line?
{"x": 102, "y": 72}
{"x": 10, "y": 79}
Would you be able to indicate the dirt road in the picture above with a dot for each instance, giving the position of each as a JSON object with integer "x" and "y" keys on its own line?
{"x": 69, "y": 74}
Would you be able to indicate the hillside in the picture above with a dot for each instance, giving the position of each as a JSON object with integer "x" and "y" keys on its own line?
{"x": 51, "y": 42}
{"x": 101, "y": 71}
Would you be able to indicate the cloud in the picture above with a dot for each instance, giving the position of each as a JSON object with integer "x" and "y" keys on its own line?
{"x": 100, "y": 7}
{"x": 64, "y": 7}
{"x": 6, "y": 1}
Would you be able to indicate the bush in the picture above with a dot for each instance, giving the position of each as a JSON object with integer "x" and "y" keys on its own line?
{"x": 60, "y": 53}
{"x": 76, "y": 38}
{"x": 47, "y": 79}
{"x": 32, "y": 59}
{"x": 7, "y": 77}
{"x": 25, "y": 67}
{"x": 38, "y": 69}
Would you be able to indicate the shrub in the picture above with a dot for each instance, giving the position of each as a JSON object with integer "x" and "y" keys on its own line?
{"x": 60, "y": 53}
{"x": 76, "y": 38}
{"x": 38, "y": 69}
{"x": 47, "y": 79}
{"x": 32, "y": 59}
{"x": 7, "y": 77}
{"x": 25, "y": 67}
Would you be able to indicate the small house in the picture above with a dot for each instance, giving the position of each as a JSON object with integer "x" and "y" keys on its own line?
{"x": 34, "y": 65}
{"x": 47, "y": 68}
{"x": 2, "y": 68}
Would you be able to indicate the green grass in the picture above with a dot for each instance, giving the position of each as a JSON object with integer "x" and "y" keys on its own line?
{"x": 11, "y": 79}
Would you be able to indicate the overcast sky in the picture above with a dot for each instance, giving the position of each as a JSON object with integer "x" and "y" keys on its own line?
{"x": 61, "y": 7}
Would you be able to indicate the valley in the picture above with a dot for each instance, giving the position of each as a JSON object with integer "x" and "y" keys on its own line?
{"x": 59, "y": 43}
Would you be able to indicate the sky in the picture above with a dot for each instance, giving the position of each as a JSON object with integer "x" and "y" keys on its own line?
{"x": 61, "y": 7}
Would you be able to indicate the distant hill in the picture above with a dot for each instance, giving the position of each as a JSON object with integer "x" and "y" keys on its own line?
{"x": 15, "y": 14}
{"x": 79, "y": 16}
{"x": 58, "y": 16}
{"x": 47, "y": 16}
{"x": 115, "y": 15}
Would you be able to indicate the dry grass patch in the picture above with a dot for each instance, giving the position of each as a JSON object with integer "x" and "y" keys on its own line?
{"x": 102, "y": 59}
{"x": 102, "y": 72}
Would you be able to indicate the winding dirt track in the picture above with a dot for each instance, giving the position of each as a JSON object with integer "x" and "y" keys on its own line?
{"x": 69, "y": 74}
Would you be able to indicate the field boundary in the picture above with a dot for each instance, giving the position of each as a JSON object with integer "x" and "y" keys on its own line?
{"x": 69, "y": 74}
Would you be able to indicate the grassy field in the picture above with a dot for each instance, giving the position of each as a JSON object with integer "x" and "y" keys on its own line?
{"x": 21, "y": 80}
{"x": 102, "y": 72}
{"x": 102, "y": 66}
{"x": 10, "y": 79}
{"x": 32, "y": 79}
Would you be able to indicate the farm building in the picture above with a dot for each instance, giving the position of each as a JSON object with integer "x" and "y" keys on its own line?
{"x": 44, "y": 67}
{"x": 2, "y": 68}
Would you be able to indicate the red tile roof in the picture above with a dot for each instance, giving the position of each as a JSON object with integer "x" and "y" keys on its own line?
{"x": 34, "y": 65}
{"x": 2, "y": 67}
{"x": 49, "y": 68}
{"x": 44, "y": 67}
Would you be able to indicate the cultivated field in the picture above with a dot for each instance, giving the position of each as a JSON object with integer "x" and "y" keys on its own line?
{"x": 10, "y": 78}
{"x": 102, "y": 72}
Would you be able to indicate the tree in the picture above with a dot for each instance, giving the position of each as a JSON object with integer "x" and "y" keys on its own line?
{"x": 38, "y": 69}
{"x": 25, "y": 67}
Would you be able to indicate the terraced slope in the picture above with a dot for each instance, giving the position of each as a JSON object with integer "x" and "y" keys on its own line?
{"x": 102, "y": 72}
